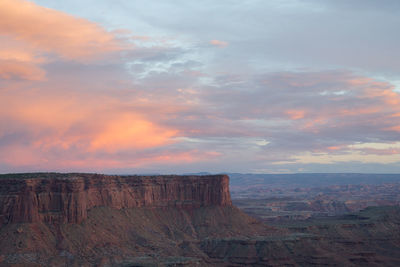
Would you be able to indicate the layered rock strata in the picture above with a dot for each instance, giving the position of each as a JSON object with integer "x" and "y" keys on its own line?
{"x": 67, "y": 198}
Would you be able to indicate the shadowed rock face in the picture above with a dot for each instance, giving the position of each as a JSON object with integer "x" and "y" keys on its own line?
{"x": 66, "y": 198}
{"x": 51, "y": 219}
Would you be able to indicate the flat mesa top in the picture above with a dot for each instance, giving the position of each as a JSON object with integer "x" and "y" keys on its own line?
{"x": 56, "y": 175}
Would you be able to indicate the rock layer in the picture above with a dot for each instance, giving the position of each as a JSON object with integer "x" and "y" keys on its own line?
{"x": 67, "y": 198}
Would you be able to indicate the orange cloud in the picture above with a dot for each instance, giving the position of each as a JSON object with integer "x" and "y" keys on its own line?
{"x": 219, "y": 43}
{"x": 51, "y": 31}
{"x": 75, "y": 123}
{"x": 20, "y": 70}
{"x": 129, "y": 131}
{"x": 382, "y": 90}
{"x": 391, "y": 97}
{"x": 295, "y": 114}
{"x": 394, "y": 128}
{"x": 78, "y": 132}
{"x": 33, "y": 159}
{"x": 19, "y": 155}
{"x": 18, "y": 54}
{"x": 372, "y": 151}
{"x": 96, "y": 128}
{"x": 395, "y": 115}
{"x": 315, "y": 124}
{"x": 18, "y": 61}
{"x": 360, "y": 111}
{"x": 30, "y": 35}
{"x": 359, "y": 81}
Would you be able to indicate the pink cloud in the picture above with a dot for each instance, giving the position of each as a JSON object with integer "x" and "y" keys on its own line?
{"x": 79, "y": 133}
{"x": 393, "y": 128}
{"x": 81, "y": 114}
{"x": 84, "y": 116}
{"x": 19, "y": 61}
{"x": 20, "y": 70}
{"x": 295, "y": 114}
{"x": 128, "y": 131}
{"x": 219, "y": 43}
{"x": 32, "y": 158}
{"x": 31, "y": 36}
{"x": 51, "y": 31}
{"x": 373, "y": 151}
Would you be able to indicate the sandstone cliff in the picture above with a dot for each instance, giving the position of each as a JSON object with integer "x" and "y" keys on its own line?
{"x": 66, "y": 198}
{"x": 52, "y": 219}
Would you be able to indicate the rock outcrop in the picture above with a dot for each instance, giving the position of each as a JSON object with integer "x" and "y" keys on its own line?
{"x": 52, "y": 219}
{"x": 66, "y": 198}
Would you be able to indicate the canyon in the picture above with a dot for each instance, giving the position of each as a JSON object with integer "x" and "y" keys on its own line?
{"x": 81, "y": 219}
{"x": 276, "y": 198}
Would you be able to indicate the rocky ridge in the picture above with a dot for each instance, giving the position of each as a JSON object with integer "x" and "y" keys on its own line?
{"x": 66, "y": 198}
{"x": 52, "y": 219}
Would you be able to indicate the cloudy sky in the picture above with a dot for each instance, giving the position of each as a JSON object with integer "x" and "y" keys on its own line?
{"x": 134, "y": 86}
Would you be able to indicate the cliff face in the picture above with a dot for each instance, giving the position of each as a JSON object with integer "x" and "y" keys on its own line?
{"x": 67, "y": 198}
{"x": 50, "y": 219}
{"x": 97, "y": 220}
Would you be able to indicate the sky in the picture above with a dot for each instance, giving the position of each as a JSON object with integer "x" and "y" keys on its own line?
{"x": 178, "y": 86}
